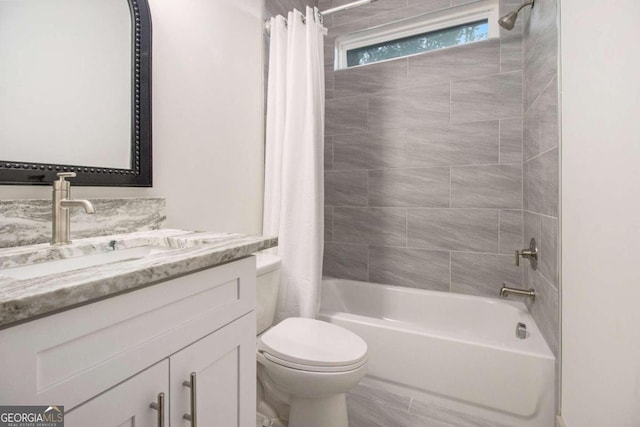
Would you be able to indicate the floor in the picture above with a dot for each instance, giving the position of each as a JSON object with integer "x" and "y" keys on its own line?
{"x": 262, "y": 421}
{"x": 373, "y": 407}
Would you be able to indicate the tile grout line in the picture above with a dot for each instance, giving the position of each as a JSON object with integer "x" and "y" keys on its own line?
{"x": 450, "y": 102}
{"x": 368, "y": 262}
{"x": 368, "y": 99}
{"x": 422, "y": 127}
{"x": 406, "y": 227}
{"x": 450, "y": 273}
{"x": 433, "y": 208}
{"x": 333, "y": 156}
{"x": 448, "y": 251}
{"x": 431, "y": 167}
{"x": 500, "y": 45}
{"x": 333, "y": 222}
{"x": 499, "y": 245}
{"x": 450, "y": 188}
{"x": 524, "y": 113}
{"x": 546, "y": 86}
{"x": 540, "y": 154}
{"x": 522, "y": 210}
{"x": 499, "y": 141}
{"x": 540, "y": 214}
{"x": 548, "y": 282}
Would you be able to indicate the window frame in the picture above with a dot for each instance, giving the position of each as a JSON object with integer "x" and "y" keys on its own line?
{"x": 451, "y": 17}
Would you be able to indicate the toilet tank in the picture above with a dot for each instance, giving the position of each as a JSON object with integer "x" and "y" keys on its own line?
{"x": 268, "y": 285}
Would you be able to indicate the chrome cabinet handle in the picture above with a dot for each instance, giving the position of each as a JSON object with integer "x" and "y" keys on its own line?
{"x": 159, "y": 406}
{"x": 194, "y": 407}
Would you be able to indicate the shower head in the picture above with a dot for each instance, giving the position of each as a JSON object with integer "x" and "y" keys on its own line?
{"x": 508, "y": 21}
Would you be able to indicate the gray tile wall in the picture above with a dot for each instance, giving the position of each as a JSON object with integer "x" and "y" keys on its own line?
{"x": 423, "y": 160}
{"x": 541, "y": 166}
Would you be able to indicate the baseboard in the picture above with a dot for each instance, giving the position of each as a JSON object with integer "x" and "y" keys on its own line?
{"x": 560, "y": 422}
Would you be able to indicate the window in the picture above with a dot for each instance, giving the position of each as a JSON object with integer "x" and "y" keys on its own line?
{"x": 439, "y": 39}
{"x": 451, "y": 27}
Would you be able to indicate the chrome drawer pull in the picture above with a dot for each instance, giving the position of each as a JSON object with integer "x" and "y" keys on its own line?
{"x": 159, "y": 406}
{"x": 194, "y": 408}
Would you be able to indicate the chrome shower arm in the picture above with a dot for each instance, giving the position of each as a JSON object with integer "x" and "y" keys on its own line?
{"x": 525, "y": 4}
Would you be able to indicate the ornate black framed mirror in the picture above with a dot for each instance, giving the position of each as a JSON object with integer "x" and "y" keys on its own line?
{"x": 75, "y": 92}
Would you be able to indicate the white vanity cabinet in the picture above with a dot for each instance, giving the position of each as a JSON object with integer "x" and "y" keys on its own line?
{"x": 106, "y": 362}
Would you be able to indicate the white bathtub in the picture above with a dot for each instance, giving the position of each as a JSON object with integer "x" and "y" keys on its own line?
{"x": 456, "y": 350}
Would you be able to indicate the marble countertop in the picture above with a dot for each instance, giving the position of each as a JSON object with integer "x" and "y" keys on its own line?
{"x": 183, "y": 252}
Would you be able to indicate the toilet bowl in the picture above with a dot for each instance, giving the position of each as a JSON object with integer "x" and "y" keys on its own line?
{"x": 305, "y": 366}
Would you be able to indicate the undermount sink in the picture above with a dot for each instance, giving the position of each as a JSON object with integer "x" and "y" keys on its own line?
{"x": 46, "y": 268}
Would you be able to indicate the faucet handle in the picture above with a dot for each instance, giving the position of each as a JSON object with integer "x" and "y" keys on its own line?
{"x": 63, "y": 175}
{"x": 531, "y": 253}
{"x": 61, "y": 184}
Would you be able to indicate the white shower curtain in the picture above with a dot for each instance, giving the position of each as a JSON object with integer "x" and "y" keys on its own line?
{"x": 294, "y": 159}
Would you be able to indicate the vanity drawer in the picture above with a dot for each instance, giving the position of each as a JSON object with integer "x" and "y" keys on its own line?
{"x": 67, "y": 358}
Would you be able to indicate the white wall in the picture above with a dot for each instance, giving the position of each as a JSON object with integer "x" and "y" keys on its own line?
{"x": 600, "y": 213}
{"x": 207, "y": 116}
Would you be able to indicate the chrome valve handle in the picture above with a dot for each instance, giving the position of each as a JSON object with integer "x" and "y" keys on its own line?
{"x": 530, "y": 253}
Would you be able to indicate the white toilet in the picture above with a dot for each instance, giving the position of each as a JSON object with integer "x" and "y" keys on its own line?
{"x": 305, "y": 366}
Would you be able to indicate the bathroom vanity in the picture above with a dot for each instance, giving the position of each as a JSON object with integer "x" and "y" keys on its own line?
{"x": 166, "y": 337}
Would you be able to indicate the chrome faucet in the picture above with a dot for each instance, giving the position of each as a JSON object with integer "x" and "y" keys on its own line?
{"x": 505, "y": 292}
{"x": 61, "y": 228}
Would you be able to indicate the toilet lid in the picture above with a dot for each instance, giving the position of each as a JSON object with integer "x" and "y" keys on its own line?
{"x": 310, "y": 342}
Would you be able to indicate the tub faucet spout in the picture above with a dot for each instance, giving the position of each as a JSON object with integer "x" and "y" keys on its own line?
{"x": 506, "y": 291}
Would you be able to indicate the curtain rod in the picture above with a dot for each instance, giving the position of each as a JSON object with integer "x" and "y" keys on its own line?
{"x": 358, "y": 3}
{"x": 346, "y": 6}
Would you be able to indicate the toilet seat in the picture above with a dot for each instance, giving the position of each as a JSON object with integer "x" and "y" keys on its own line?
{"x": 313, "y": 345}
{"x": 310, "y": 368}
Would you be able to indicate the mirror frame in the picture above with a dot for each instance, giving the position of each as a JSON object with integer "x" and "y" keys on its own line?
{"x": 140, "y": 174}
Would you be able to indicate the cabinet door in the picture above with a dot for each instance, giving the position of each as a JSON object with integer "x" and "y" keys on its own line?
{"x": 224, "y": 364}
{"x": 126, "y": 404}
